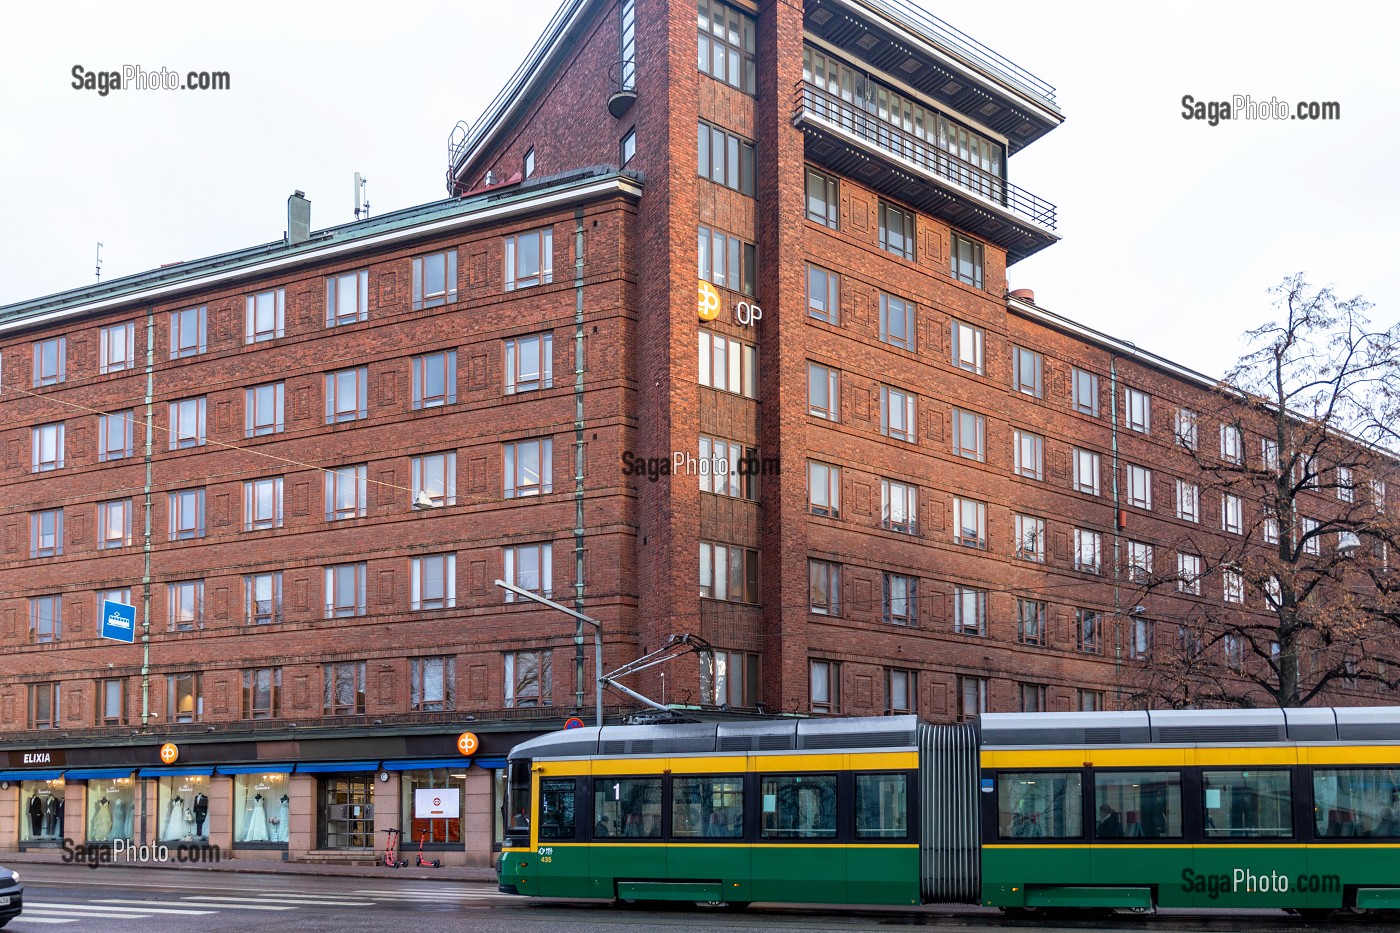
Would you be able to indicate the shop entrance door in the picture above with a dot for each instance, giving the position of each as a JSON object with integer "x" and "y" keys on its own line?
{"x": 346, "y": 812}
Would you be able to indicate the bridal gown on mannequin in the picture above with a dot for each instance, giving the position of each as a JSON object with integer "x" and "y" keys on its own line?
{"x": 282, "y": 810}
{"x": 257, "y": 822}
{"x": 175, "y": 826}
{"x": 102, "y": 821}
{"x": 119, "y": 814}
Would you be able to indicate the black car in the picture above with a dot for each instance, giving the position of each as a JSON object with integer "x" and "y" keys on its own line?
{"x": 11, "y": 895}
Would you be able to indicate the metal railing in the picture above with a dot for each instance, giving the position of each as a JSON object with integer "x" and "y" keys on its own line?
{"x": 924, "y": 153}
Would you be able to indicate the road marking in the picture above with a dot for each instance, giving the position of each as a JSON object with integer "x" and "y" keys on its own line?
{"x": 295, "y": 902}
{"x": 151, "y": 909}
{"x": 90, "y": 914}
{"x": 25, "y": 918}
{"x": 199, "y": 901}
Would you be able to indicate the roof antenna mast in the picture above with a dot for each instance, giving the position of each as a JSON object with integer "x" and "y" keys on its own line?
{"x": 99, "y": 262}
{"x": 361, "y": 198}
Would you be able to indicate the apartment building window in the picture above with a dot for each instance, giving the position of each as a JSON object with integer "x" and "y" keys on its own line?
{"x": 116, "y": 348}
{"x": 347, "y": 395}
{"x": 347, "y": 492}
{"x": 1030, "y": 622}
{"x": 347, "y": 298}
{"x": 1188, "y": 501}
{"x": 966, "y": 257}
{"x": 899, "y": 506}
{"x": 1311, "y": 540}
{"x": 1137, "y": 410}
{"x": 627, "y": 33}
{"x": 1139, "y": 555}
{"x": 529, "y": 363}
{"x": 1185, "y": 430}
{"x": 1268, "y": 454}
{"x": 114, "y": 436}
{"x": 897, "y": 413}
{"x": 344, "y": 693}
{"x": 1086, "y": 471}
{"x": 186, "y": 605}
{"x": 823, "y": 294}
{"x": 187, "y": 423}
{"x": 969, "y": 435}
{"x": 111, "y": 702}
{"x": 824, "y": 678}
{"x": 187, "y": 332}
{"x": 1231, "y": 444}
{"x": 262, "y": 693}
{"x": 265, "y": 316}
{"x": 728, "y": 468}
{"x": 1085, "y": 392}
{"x": 435, "y": 275}
{"x": 50, "y": 361}
{"x": 896, "y": 231}
{"x": 186, "y": 507}
{"x": 1030, "y": 455}
{"x": 1188, "y": 574}
{"x": 900, "y": 599}
{"x": 727, "y": 261}
{"x": 184, "y": 698}
{"x": 727, "y": 39}
{"x": 823, "y": 489}
{"x": 1090, "y": 701}
{"x": 530, "y": 567}
{"x": 45, "y": 618}
{"x": 433, "y": 684}
{"x": 1088, "y": 624}
{"x": 46, "y": 533}
{"x": 530, "y": 162}
{"x": 968, "y": 347}
{"x": 728, "y": 365}
{"x": 1032, "y": 697}
{"x": 1139, "y": 486}
{"x": 1030, "y": 538}
{"x": 46, "y": 447}
{"x": 1140, "y": 639}
{"x": 1232, "y": 514}
{"x": 1088, "y": 550}
{"x": 728, "y": 572}
{"x": 263, "y": 597}
{"x": 529, "y": 678}
{"x": 1234, "y": 654}
{"x": 262, "y": 410}
{"x": 434, "y": 582}
{"x": 824, "y": 391}
{"x": 969, "y": 523}
{"x": 1232, "y": 585}
{"x": 725, "y": 159}
{"x": 262, "y": 503}
{"x": 43, "y": 706}
{"x": 113, "y": 524}
{"x": 824, "y": 587}
{"x": 901, "y": 691}
{"x": 969, "y": 610}
{"x": 1028, "y": 372}
{"x": 529, "y": 259}
{"x": 972, "y": 697}
{"x": 897, "y": 322}
{"x": 434, "y": 379}
{"x": 627, "y": 148}
{"x": 823, "y": 203}
{"x": 1345, "y": 491}
{"x": 529, "y": 468}
{"x": 1378, "y": 496}
{"x": 436, "y": 475}
{"x": 345, "y": 590}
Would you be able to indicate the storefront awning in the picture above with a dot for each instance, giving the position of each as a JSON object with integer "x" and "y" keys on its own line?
{"x": 417, "y": 764}
{"x": 329, "y": 767}
{"x": 29, "y": 775}
{"x": 269, "y": 767}
{"x": 177, "y": 771}
{"x": 490, "y": 764}
{"x": 96, "y": 774}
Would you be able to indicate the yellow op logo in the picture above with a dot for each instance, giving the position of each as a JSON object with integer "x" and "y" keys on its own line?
{"x": 709, "y": 302}
{"x": 168, "y": 753}
{"x": 467, "y": 743}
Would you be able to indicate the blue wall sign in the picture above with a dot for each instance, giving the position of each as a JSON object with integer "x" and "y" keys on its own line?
{"x": 118, "y": 621}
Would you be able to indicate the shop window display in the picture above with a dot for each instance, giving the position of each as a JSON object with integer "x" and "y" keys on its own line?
{"x": 183, "y": 808}
{"x": 260, "y": 808}
{"x": 111, "y": 809}
{"x": 42, "y": 803}
{"x": 439, "y": 831}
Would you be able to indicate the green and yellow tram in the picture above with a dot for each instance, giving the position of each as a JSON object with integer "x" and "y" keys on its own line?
{"x": 1295, "y": 809}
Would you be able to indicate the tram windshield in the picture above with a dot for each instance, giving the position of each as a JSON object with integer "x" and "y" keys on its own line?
{"x": 518, "y": 804}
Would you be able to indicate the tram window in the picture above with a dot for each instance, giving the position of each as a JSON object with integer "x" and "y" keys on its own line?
{"x": 707, "y": 807}
{"x": 799, "y": 806}
{"x": 1040, "y": 805}
{"x": 1132, "y": 804}
{"x": 628, "y": 808}
{"x": 1357, "y": 802}
{"x": 882, "y": 806}
{"x": 1252, "y": 804}
{"x": 518, "y": 798}
{"x": 557, "y": 808}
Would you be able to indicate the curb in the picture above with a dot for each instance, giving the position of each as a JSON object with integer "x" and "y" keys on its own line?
{"x": 249, "y": 866}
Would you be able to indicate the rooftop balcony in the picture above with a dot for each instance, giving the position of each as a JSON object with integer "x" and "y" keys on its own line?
{"x": 897, "y": 161}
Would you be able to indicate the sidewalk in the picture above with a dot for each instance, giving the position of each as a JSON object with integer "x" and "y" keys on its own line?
{"x": 15, "y": 860}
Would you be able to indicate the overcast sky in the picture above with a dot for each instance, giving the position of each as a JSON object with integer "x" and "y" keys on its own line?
{"x": 1173, "y": 230}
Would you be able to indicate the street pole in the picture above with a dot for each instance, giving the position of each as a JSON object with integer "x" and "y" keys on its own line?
{"x": 597, "y": 638}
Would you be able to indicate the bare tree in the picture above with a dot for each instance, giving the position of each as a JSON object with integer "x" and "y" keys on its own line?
{"x": 1301, "y": 548}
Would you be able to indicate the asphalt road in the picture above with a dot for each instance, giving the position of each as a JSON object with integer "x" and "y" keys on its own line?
{"x": 73, "y": 898}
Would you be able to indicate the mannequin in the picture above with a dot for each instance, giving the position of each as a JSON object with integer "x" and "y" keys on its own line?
{"x": 282, "y": 819}
{"x": 175, "y": 823}
{"x": 50, "y": 817}
{"x": 36, "y": 816}
{"x": 58, "y": 827}
{"x": 119, "y": 819}
{"x": 102, "y": 821}
{"x": 201, "y": 812}
{"x": 256, "y": 830}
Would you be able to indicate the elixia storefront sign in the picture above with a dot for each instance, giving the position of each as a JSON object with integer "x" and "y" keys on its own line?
{"x": 37, "y": 759}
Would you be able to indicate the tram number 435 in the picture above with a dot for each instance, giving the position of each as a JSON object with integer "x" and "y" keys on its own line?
{"x": 546, "y": 853}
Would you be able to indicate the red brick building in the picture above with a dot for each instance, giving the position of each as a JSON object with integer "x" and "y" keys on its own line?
{"x": 954, "y": 485}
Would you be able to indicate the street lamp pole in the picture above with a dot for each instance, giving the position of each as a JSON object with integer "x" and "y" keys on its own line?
{"x": 597, "y": 637}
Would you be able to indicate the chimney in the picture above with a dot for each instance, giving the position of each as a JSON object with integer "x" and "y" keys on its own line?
{"x": 1025, "y": 294}
{"x": 298, "y": 218}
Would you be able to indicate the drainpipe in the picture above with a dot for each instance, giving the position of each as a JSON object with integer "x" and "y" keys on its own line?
{"x": 146, "y": 542}
{"x": 578, "y": 473}
{"x": 1117, "y": 535}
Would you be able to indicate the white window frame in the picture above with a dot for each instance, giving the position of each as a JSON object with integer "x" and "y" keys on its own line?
{"x": 899, "y": 506}
{"x": 1188, "y": 574}
{"x": 266, "y": 490}
{"x": 342, "y": 485}
{"x": 969, "y": 523}
{"x": 46, "y": 443}
{"x": 1088, "y": 550}
{"x": 823, "y": 489}
{"x": 335, "y": 575}
{"x": 897, "y": 415}
{"x": 517, "y": 457}
{"x": 969, "y": 347}
{"x": 969, "y": 422}
{"x": 728, "y": 365}
{"x": 183, "y": 505}
{"x": 536, "y": 350}
{"x": 517, "y": 249}
{"x": 1084, "y": 389}
{"x": 423, "y": 371}
{"x": 1137, "y": 410}
{"x": 116, "y": 348}
{"x": 1139, "y": 483}
{"x": 1187, "y": 429}
{"x": 830, "y": 378}
{"x": 44, "y": 373}
{"x": 187, "y": 423}
{"x": 1028, "y": 372}
{"x": 1231, "y": 444}
{"x": 900, "y": 310}
{"x": 1030, "y": 538}
{"x": 423, "y": 266}
{"x": 1086, "y": 471}
{"x": 1029, "y": 454}
{"x": 347, "y": 298}
{"x": 337, "y": 409}
{"x": 1139, "y": 561}
{"x": 427, "y": 467}
{"x": 187, "y": 332}
{"x": 970, "y": 610}
{"x": 114, "y": 524}
{"x": 1188, "y": 501}
{"x": 1231, "y": 514}
{"x": 265, "y": 316}
{"x": 253, "y": 399}
{"x": 105, "y": 450}
{"x": 422, "y": 572}
{"x": 543, "y": 556}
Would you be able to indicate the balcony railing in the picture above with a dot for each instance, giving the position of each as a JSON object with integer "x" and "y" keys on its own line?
{"x": 924, "y": 153}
